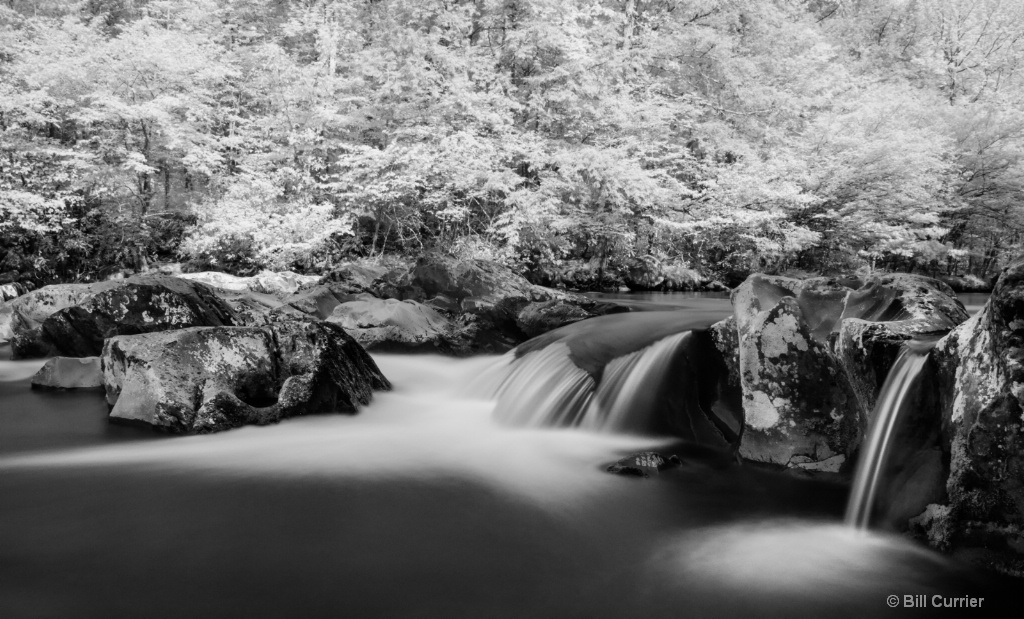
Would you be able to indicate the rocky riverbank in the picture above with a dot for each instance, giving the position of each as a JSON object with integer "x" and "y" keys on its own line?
{"x": 789, "y": 380}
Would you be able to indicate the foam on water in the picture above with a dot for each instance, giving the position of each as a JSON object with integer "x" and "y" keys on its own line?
{"x": 787, "y": 557}
{"x": 546, "y": 388}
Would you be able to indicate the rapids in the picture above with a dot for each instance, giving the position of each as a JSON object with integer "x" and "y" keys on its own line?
{"x": 422, "y": 505}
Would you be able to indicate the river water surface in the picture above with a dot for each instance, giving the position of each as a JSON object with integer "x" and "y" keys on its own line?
{"x": 419, "y": 506}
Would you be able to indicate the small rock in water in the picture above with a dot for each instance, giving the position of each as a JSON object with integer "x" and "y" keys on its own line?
{"x": 644, "y": 464}
{"x": 69, "y": 373}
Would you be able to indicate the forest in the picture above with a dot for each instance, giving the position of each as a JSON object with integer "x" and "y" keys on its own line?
{"x": 587, "y": 143}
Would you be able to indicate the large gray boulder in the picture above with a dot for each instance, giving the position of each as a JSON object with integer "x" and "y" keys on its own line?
{"x": 980, "y": 375}
{"x": 813, "y": 354}
{"x": 27, "y": 312}
{"x": 212, "y": 379}
{"x": 139, "y": 304}
{"x": 488, "y": 295}
{"x": 395, "y": 326}
{"x": 319, "y": 301}
{"x": 478, "y": 280}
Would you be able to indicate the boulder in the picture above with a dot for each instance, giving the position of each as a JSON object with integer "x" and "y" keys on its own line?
{"x": 216, "y": 279}
{"x": 11, "y": 291}
{"x": 496, "y": 308}
{"x": 485, "y": 301}
{"x": 541, "y": 317}
{"x": 395, "y": 326}
{"x": 796, "y": 335}
{"x": 204, "y": 379}
{"x": 28, "y": 311}
{"x": 319, "y": 301}
{"x": 139, "y": 304}
{"x": 257, "y": 308}
{"x": 487, "y": 282}
{"x": 980, "y": 375}
{"x": 265, "y": 282}
{"x": 31, "y": 344}
{"x": 281, "y": 283}
{"x": 69, "y": 373}
{"x": 488, "y": 294}
{"x": 367, "y": 276}
{"x": 797, "y": 404}
{"x": 650, "y": 273}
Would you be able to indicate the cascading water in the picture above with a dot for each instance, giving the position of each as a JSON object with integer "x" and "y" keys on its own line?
{"x": 891, "y": 401}
{"x": 546, "y": 388}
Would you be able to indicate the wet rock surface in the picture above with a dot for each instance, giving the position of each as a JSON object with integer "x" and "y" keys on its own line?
{"x": 644, "y": 464}
{"x": 212, "y": 379}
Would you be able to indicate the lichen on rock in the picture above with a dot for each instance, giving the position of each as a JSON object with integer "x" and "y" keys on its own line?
{"x": 979, "y": 375}
{"x": 207, "y": 379}
{"x": 813, "y": 354}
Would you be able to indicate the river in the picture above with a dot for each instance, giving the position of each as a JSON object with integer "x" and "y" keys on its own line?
{"x": 419, "y": 506}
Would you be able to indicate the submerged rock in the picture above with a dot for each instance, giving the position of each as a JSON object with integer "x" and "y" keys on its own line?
{"x": 139, "y": 304}
{"x": 644, "y": 464}
{"x": 980, "y": 368}
{"x": 212, "y": 379}
{"x": 69, "y": 373}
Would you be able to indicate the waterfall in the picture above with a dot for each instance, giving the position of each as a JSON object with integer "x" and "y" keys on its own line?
{"x": 875, "y": 452}
{"x": 546, "y": 388}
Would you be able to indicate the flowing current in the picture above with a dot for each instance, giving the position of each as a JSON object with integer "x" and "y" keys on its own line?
{"x": 422, "y": 505}
{"x": 884, "y": 421}
{"x": 546, "y": 388}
